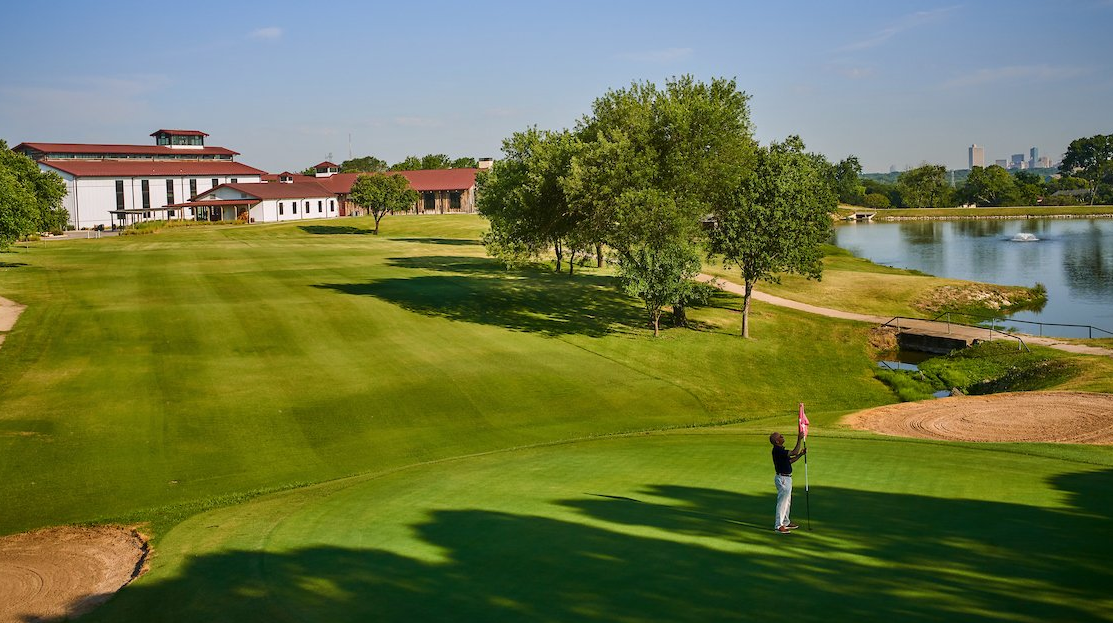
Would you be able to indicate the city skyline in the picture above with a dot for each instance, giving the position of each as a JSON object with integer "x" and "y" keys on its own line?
{"x": 289, "y": 86}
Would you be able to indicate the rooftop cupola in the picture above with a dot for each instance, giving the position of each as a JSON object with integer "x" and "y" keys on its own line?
{"x": 326, "y": 169}
{"x": 180, "y": 138}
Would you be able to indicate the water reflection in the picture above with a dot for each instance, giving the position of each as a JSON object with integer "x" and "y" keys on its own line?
{"x": 1088, "y": 263}
{"x": 1073, "y": 259}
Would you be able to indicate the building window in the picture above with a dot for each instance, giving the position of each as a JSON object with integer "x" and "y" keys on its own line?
{"x": 192, "y": 188}
{"x": 146, "y": 186}
{"x": 454, "y": 200}
{"x": 170, "y": 192}
{"x": 320, "y": 207}
{"x": 119, "y": 194}
{"x": 280, "y": 208}
{"x": 234, "y": 180}
{"x": 331, "y": 205}
{"x": 430, "y": 202}
{"x": 192, "y": 212}
{"x": 295, "y": 206}
{"x": 216, "y": 182}
{"x": 307, "y": 207}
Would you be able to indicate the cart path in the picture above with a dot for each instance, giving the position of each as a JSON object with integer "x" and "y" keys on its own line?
{"x": 757, "y": 295}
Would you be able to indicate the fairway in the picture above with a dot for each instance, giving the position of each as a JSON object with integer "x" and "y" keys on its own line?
{"x": 314, "y": 423}
{"x": 672, "y": 527}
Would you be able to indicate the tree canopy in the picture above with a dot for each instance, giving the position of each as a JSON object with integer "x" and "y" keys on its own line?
{"x": 776, "y": 221}
{"x": 365, "y": 164}
{"x": 380, "y": 193}
{"x": 433, "y": 161}
{"x": 926, "y": 186}
{"x": 1092, "y": 160}
{"x": 30, "y": 199}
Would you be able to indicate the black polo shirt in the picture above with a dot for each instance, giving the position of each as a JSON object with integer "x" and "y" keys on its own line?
{"x": 781, "y": 461}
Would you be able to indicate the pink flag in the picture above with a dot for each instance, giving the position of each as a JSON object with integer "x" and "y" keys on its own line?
{"x": 803, "y": 422}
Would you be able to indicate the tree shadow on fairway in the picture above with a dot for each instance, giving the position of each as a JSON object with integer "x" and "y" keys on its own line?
{"x": 872, "y": 556}
{"x": 456, "y": 242}
{"x": 12, "y": 264}
{"x": 333, "y": 230}
{"x": 481, "y": 291}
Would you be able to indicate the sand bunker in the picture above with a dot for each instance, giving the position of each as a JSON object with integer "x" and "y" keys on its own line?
{"x": 60, "y": 573}
{"x": 1061, "y": 417}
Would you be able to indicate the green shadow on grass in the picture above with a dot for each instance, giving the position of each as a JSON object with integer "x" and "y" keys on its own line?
{"x": 334, "y": 230}
{"x": 458, "y": 242}
{"x": 681, "y": 557}
{"x": 482, "y": 291}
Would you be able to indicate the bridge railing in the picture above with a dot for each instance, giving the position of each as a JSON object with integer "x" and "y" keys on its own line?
{"x": 1020, "y": 345}
{"x": 994, "y": 320}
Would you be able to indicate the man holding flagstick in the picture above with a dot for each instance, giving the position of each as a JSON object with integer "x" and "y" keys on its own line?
{"x": 782, "y": 463}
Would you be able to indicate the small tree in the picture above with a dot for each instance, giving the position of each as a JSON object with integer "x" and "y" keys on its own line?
{"x": 777, "y": 221}
{"x": 380, "y": 194}
{"x": 925, "y": 186}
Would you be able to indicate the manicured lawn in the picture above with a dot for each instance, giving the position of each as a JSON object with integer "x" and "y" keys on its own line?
{"x": 318, "y": 424}
{"x": 179, "y": 367}
{"x": 673, "y": 527}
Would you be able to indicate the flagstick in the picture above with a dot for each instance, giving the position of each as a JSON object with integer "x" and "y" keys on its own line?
{"x": 807, "y": 496}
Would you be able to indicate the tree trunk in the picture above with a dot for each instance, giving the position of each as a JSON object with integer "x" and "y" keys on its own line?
{"x": 571, "y": 261}
{"x": 679, "y": 316}
{"x": 746, "y": 309}
{"x": 598, "y": 255}
{"x": 559, "y": 254}
{"x": 656, "y": 323}
{"x": 378, "y": 217}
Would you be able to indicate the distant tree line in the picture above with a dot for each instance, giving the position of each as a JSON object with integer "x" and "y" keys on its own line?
{"x": 1085, "y": 177}
{"x": 655, "y": 179}
{"x": 371, "y": 164}
{"x": 30, "y": 199}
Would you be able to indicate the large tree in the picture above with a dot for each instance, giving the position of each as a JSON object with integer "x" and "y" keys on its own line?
{"x": 652, "y": 154}
{"x": 1090, "y": 159}
{"x": 777, "y": 219}
{"x": 523, "y": 198}
{"x": 988, "y": 186}
{"x": 380, "y": 193}
{"x": 30, "y": 199}
{"x": 925, "y": 186}
{"x": 848, "y": 184}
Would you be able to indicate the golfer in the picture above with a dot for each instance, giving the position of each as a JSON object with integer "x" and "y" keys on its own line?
{"x": 782, "y": 462}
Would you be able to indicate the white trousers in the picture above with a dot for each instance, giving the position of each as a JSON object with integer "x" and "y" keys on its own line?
{"x": 784, "y": 499}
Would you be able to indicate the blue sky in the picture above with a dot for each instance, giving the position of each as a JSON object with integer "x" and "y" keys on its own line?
{"x": 285, "y": 84}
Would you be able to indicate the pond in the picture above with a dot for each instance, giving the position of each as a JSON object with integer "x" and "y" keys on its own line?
{"x": 1073, "y": 258}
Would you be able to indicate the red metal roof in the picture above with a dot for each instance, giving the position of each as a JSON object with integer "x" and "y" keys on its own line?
{"x": 441, "y": 179}
{"x": 428, "y": 180}
{"x": 179, "y": 132}
{"x": 297, "y": 177}
{"x": 108, "y": 150}
{"x": 326, "y": 165}
{"x": 150, "y": 168}
{"x": 269, "y": 190}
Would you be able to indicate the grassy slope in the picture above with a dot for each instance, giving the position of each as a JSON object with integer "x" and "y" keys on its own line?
{"x": 230, "y": 359}
{"x": 851, "y": 284}
{"x": 178, "y": 367}
{"x": 672, "y": 527}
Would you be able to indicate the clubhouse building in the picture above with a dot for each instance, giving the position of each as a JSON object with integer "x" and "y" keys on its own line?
{"x": 179, "y": 177}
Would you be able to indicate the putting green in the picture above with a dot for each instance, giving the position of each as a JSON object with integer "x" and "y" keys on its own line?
{"x": 655, "y": 527}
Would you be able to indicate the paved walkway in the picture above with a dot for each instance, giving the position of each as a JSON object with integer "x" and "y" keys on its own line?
{"x": 905, "y": 323}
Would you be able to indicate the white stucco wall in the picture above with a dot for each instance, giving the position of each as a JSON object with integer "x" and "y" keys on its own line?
{"x": 89, "y": 199}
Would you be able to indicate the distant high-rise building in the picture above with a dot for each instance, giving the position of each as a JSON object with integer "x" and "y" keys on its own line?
{"x": 1044, "y": 162}
{"x": 1033, "y": 157}
{"x": 1004, "y": 164}
{"x": 1017, "y": 161}
{"x": 976, "y": 156}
